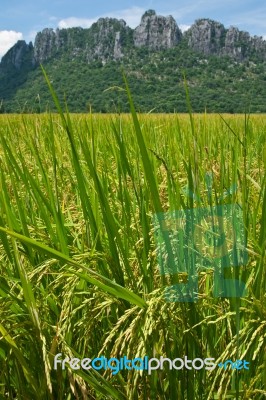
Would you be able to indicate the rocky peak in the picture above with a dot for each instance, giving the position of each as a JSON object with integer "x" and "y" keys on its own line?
{"x": 108, "y": 25}
{"x": 240, "y": 45}
{"x": 156, "y": 32}
{"x": 102, "y": 41}
{"x": 206, "y": 36}
{"x": 233, "y": 45}
{"x": 105, "y": 39}
{"x": 21, "y": 54}
{"x": 211, "y": 37}
{"x": 44, "y": 45}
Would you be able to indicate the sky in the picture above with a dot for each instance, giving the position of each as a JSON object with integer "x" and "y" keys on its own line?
{"x": 22, "y": 19}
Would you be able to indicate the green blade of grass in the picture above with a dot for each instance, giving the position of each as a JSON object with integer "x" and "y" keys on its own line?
{"x": 148, "y": 170}
{"x": 21, "y": 359}
{"x": 94, "y": 278}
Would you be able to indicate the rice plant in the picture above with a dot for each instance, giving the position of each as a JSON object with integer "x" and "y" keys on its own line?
{"x": 79, "y": 260}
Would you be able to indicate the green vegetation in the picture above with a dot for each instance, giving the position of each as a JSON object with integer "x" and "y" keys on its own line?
{"x": 78, "y": 265}
{"x": 216, "y": 84}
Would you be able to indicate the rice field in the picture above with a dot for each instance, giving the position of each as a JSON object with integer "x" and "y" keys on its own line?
{"x": 80, "y": 268}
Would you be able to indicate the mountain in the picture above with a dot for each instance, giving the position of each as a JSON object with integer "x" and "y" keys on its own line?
{"x": 224, "y": 68}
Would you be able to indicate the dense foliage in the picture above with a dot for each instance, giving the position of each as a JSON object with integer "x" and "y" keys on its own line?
{"x": 216, "y": 84}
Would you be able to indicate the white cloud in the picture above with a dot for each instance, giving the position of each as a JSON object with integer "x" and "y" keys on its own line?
{"x": 132, "y": 17}
{"x": 184, "y": 27}
{"x": 73, "y": 22}
{"x": 7, "y": 40}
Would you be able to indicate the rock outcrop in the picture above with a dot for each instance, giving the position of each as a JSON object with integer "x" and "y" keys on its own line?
{"x": 240, "y": 45}
{"x": 21, "y": 54}
{"x": 212, "y": 38}
{"x": 108, "y": 38}
{"x": 103, "y": 41}
{"x": 45, "y": 45}
{"x": 111, "y": 39}
{"x": 206, "y": 36}
{"x": 157, "y": 32}
{"x": 118, "y": 46}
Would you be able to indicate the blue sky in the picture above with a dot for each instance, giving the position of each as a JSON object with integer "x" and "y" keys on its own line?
{"x": 23, "y": 19}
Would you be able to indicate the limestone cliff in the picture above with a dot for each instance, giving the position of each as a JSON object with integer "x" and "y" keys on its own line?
{"x": 157, "y": 32}
{"x": 103, "y": 41}
{"x": 212, "y": 38}
{"x": 111, "y": 39}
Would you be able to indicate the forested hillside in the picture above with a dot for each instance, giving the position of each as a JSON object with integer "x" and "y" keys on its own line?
{"x": 224, "y": 68}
